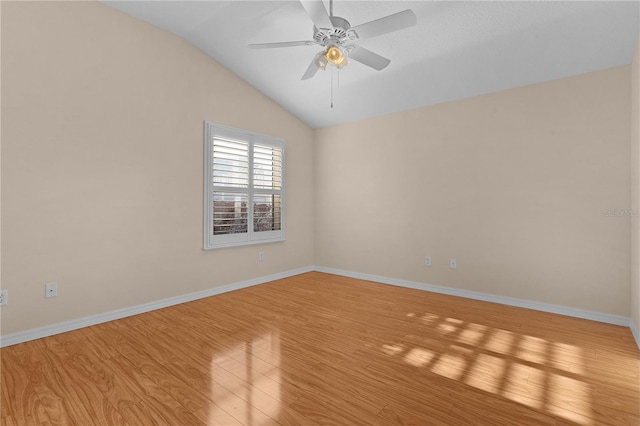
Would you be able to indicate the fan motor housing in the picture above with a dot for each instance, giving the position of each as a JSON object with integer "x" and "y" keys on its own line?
{"x": 339, "y": 34}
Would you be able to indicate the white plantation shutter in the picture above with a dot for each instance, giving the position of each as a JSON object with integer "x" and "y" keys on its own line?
{"x": 267, "y": 167}
{"x": 267, "y": 190}
{"x": 230, "y": 163}
{"x": 244, "y": 187}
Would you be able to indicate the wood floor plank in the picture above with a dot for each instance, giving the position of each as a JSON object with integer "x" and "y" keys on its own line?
{"x": 399, "y": 416}
{"x": 322, "y": 349}
{"x": 92, "y": 381}
{"x": 156, "y": 403}
{"x": 397, "y": 391}
{"x": 275, "y": 408}
{"x": 254, "y": 383}
{"x": 24, "y": 404}
{"x": 214, "y": 415}
{"x": 8, "y": 421}
{"x": 334, "y": 411}
{"x": 172, "y": 383}
{"x": 59, "y": 392}
{"x": 243, "y": 411}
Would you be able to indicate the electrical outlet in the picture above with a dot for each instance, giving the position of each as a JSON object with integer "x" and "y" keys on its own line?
{"x": 453, "y": 264}
{"x": 261, "y": 256}
{"x": 50, "y": 290}
{"x": 4, "y": 297}
{"x": 427, "y": 261}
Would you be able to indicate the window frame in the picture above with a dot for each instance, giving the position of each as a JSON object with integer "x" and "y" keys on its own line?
{"x": 211, "y": 241}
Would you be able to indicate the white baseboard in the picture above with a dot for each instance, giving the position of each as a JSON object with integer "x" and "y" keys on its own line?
{"x": 634, "y": 331}
{"x": 512, "y": 301}
{"x": 62, "y": 327}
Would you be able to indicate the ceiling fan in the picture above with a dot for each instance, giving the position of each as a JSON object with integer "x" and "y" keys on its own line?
{"x": 338, "y": 38}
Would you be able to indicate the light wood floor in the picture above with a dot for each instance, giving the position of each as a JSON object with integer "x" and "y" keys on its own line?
{"x": 322, "y": 349}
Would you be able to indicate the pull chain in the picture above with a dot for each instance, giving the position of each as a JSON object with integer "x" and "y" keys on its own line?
{"x": 331, "y": 87}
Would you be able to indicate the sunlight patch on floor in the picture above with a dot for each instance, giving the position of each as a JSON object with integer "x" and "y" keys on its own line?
{"x": 505, "y": 363}
{"x": 500, "y": 341}
{"x": 472, "y": 334}
{"x": 486, "y": 373}
{"x": 522, "y": 385}
{"x": 392, "y": 349}
{"x": 567, "y": 357}
{"x": 419, "y": 357}
{"x": 532, "y": 349}
{"x": 429, "y": 318}
{"x": 452, "y": 365}
{"x": 446, "y": 328}
{"x": 570, "y": 399}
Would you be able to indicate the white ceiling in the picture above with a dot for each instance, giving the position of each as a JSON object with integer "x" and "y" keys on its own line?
{"x": 457, "y": 50}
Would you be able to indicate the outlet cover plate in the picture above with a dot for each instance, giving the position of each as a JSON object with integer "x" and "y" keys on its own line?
{"x": 50, "y": 290}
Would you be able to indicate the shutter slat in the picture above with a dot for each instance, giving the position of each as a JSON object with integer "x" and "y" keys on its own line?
{"x": 267, "y": 167}
{"x": 230, "y": 165}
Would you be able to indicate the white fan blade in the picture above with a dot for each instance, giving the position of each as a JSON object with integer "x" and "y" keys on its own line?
{"x": 395, "y": 22}
{"x": 313, "y": 68}
{"x": 369, "y": 58}
{"x": 317, "y": 12}
{"x": 281, "y": 44}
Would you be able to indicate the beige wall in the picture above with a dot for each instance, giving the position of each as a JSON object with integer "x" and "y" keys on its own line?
{"x": 102, "y": 125}
{"x": 514, "y": 185}
{"x": 635, "y": 187}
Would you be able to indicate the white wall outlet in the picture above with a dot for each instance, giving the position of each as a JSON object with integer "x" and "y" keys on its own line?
{"x": 427, "y": 261}
{"x": 261, "y": 256}
{"x": 453, "y": 264}
{"x": 4, "y": 297}
{"x": 50, "y": 290}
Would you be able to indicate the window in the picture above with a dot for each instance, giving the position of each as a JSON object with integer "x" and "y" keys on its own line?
{"x": 243, "y": 187}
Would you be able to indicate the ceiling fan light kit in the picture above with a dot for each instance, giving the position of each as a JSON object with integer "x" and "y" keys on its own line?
{"x": 320, "y": 61}
{"x": 335, "y": 56}
{"x": 338, "y": 39}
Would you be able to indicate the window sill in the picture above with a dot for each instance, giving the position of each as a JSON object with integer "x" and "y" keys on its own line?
{"x": 244, "y": 243}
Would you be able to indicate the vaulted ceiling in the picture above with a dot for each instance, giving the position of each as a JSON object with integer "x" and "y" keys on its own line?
{"x": 457, "y": 49}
